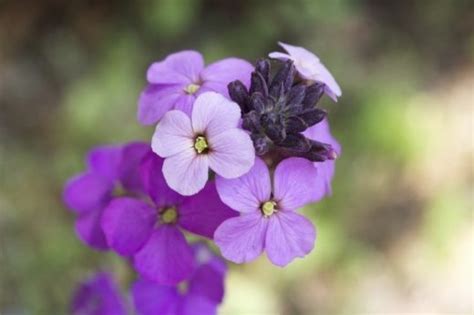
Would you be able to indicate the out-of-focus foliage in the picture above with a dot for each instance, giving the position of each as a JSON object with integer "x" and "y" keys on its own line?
{"x": 396, "y": 237}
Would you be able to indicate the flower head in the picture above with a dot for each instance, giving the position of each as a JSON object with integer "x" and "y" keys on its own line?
{"x": 176, "y": 81}
{"x": 277, "y": 110}
{"x": 98, "y": 296}
{"x": 151, "y": 232}
{"x": 309, "y": 67}
{"x": 201, "y": 293}
{"x": 111, "y": 170}
{"x": 268, "y": 220}
{"x": 210, "y": 139}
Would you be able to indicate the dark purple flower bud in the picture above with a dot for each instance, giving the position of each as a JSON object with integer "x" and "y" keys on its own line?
{"x": 263, "y": 67}
{"x": 258, "y": 84}
{"x": 257, "y": 102}
{"x": 296, "y": 142}
{"x": 261, "y": 143}
{"x": 239, "y": 94}
{"x": 297, "y": 95}
{"x": 251, "y": 121}
{"x": 285, "y": 77}
{"x": 314, "y": 92}
{"x": 313, "y": 116}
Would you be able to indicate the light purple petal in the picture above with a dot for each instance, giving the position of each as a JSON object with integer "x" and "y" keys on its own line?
{"x": 232, "y": 153}
{"x": 332, "y": 89}
{"x": 194, "y": 305}
{"x": 186, "y": 172}
{"x": 156, "y": 100}
{"x": 295, "y": 182}
{"x": 246, "y": 193}
{"x": 242, "y": 239}
{"x": 98, "y": 296}
{"x": 166, "y": 258}
{"x": 207, "y": 282}
{"x": 104, "y": 161}
{"x": 89, "y": 231}
{"x": 279, "y": 55}
{"x": 326, "y": 170}
{"x": 154, "y": 182}
{"x": 173, "y": 134}
{"x": 214, "y": 114}
{"x": 127, "y": 224}
{"x": 180, "y": 67}
{"x": 87, "y": 192}
{"x": 220, "y": 73}
{"x": 150, "y": 298}
{"x": 185, "y": 104}
{"x": 128, "y": 169}
{"x": 289, "y": 235}
{"x": 299, "y": 52}
{"x": 204, "y": 212}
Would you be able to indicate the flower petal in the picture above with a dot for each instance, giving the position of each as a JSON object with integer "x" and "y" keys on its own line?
{"x": 127, "y": 224}
{"x": 185, "y": 104}
{"x": 128, "y": 169}
{"x": 289, "y": 235}
{"x": 193, "y": 305}
{"x": 99, "y": 295}
{"x": 152, "y": 299}
{"x": 166, "y": 258}
{"x": 242, "y": 239}
{"x": 173, "y": 134}
{"x": 154, "y": 182}
{"x": 326, "y": 170}
{"x": 204, "y": 212}
{"x": 180, "y": 67}
{"x": 89, "y": 231}
{"x": 87, "y": 192}
{"x": 186, "y": 172}
{"x": 213, "y": 114}
{"x": 246, "y": 193}
{"x": 299, "y": 52}
{"x": 207, "y": 282}
{"x": 156, "y": 100}
{"x": 104, "y": 161}
{"x": 222, "y": 72}
{"x": 295, "y": 183}
{"x": 231, "y": 153}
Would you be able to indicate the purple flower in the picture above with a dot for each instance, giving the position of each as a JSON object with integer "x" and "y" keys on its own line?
{"x": 98, "y": 296}
{"x": 268, "y": 220}
{"x": 209, "y": 139}
{"x": 110, "y": 170}
{"x": 150, "y": 232}
{"x": 309, "y": 67}
{"x": 326, "y": 169}
{"x": 200, "y": 294}
{"x": 175, "y": 82}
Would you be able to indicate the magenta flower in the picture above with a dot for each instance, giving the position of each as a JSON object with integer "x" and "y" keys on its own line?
{"x": 321, "y": 132}
{"x": 210, "y": 139}
{"x": 200, "y": 294}
{"x": 98, "y": 296}
{"x": 150, "y": 232}
{"x": 309, "y": 67}
{"x": 268, "y": 220}
{"x": 110, "y": 170}
{"x": 175, "y": 82}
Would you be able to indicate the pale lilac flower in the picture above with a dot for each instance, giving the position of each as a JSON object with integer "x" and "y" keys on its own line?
{"x": 175, "y": 82}
{"x": 210, "y": 139}
{"x": 309, "y": 67}
{"x": 199, "y": 295}
{"x": 151, "y": 232}
{"x": 268, "y": 220}
{"x": 98, "y": 296}
{"x": 111, "y": 170}
{"x": 321, "y": 132}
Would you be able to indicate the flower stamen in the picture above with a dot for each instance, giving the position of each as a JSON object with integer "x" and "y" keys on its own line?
{"x": 192, "y": 88}
{"x": 169, "y": 215}
{"x": 201, "y": 145}
{"x": 268, "y": 208}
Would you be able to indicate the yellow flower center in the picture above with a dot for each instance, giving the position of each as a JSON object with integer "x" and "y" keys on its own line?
{"x": 200, "y": 144}
{"x": 192, "y": 88}
{"x": 169, "y": 215}
{"x": 268, "y": 208}
{"x": 183, "y": 287}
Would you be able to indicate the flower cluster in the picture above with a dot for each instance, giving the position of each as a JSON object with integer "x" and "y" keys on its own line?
{"x": 237, "y": 151}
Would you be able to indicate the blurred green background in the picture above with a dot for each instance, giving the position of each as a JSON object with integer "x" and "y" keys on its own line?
{"x": 396, "y": 237}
